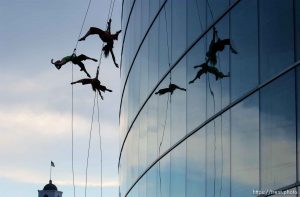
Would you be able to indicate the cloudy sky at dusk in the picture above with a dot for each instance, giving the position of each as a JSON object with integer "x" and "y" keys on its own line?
{"x": 35, "y": 102}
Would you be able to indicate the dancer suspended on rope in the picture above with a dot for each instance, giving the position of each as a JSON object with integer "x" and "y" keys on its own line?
{"x": 205, "y": 68}
{"x": 106, "y": 37}
{"x": 75, "y": 60}
{"x": 216, "y": 45}
{"x": 172, "y": 87}
{"x": 96, "y": 84}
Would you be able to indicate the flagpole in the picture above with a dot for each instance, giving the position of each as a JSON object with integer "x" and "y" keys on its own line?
{"x": 50, "y": 170}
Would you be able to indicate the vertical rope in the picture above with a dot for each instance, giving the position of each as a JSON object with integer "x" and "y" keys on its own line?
{"x": 222, "y": 154}
{"x": 83, "y": 22}
{"x": 210, "y": 10}
{"x": 72, "y": 128}
{"x": 168, "y": 46}
{"x": 214, "y": 122}
{"x": 161, "y": 141}
{"x": 198, "y": 12}
{"x": 215, "y": 147}
{"x": 111, "y": 8}
{"x": 110, "y": 12}
{"x": 89, "y": 146}
{"x": 72, "y": 118}
{"x": 100, "y": 143}
{"x": 169, "y": 99}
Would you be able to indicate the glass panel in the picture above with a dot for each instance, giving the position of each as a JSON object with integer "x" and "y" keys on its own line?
{"x": 145, "y": 15}
{"x": 278, "y": 133}
{"x": 297, "y": 13}
{"x": 178, "y": 171}
{"x": 134, "y": 91}
{"x": 218, "y": 90}
{"x": 142, "y": 186}
{"x": 178, "y": 102}
{"x": 218, "y": 157}
{"x": 210, "y": 160}
{"x": 276, "y": 36}
{"x": 126, "y": 10}
{"x": 144, "y": 72}
{"x": 244, "y": 65}
{"x": 245, "y": 147}
{"x": 196, "y": 92}
{"x": 178, "y": 28}
{"x": 154, "y": 6}
{"x": 164, "y": 51}
{"x": 298, "y": 117}
{"x": 152, "y": 120}
{"x": 196, "y": 19}
{"x": 153, "y": 56}
{"x": 163, "y": 119}
{"x": 134, "y": 192}
{"x": 163, "y": 182}
{"x": 143, "y": 141}
{"x": 135, "y": 162}
{"x": 152, "y": 177}
{"x": 195, "y": 174}
{"x": 215, "y": 8}
{"x": 223, "y": 155}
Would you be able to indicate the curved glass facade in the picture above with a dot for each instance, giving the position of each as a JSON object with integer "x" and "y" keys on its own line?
{"x": 237, "y": 136}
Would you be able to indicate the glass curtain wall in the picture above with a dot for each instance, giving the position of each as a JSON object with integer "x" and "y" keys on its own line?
{"x": 210, "y": 98}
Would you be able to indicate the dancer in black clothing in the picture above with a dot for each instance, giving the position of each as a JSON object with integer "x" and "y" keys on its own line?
{"x": 216, "y": 45}
{"x": 106, "y": 37}
{"x": 170, "y": 89}
{"x": 96, "y": 84}
{"x": 75, "y": 60}
{"x": 205, "y": 68}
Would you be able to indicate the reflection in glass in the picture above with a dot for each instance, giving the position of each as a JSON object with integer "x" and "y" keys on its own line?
{"x": 244, "y": 65}
{"x": 196, "y": 92}
{"x": 154, "y": 6}
{"x": 145, "y": 15}
{"x": 278, "y": 133}
{"x": 152, "y": 120}
{"x": 215, "y": 8}
{"x": 153, "y": 57}
{"x": 178, "y": 103}
{"x": 164, "y": 120}
{"x": 178, "y": 171}
{"x": 276, "y": 36}
{"x": 164, "y": 48}
{"x": 142, "y": 138}
{"x": 143, "y": 54}
{"x": 297, "y": 13}
{"x": 298, "y": 115}
{"x": 218, "y": 157}
{"x": 245, "y": 147}
{"x": 178, "y": 32}
{"x": 163, "y": 182}
{"x": 152, "y": 177}
{"x": 196, "y": 20}
{"x": 218, "y": 91}
{"x": 195, "y": 174}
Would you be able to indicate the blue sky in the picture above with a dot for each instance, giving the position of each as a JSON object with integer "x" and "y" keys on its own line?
{"x": 35, "y": 102}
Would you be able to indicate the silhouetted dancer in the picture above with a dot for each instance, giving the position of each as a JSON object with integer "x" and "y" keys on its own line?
{"x": 106, "y": 37}
{"x": 96, "y": 84}
{"x": 170, "y": 89}
{"x": 75, "y": 60}
{"x": 205, "y": 68}
{"x": 216, "y": 45}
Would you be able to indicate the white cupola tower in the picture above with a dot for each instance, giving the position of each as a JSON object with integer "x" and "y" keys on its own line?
{"x": 50, "y": 190}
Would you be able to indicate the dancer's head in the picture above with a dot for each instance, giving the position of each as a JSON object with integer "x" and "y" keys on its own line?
{"x": 106, "y": 49}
